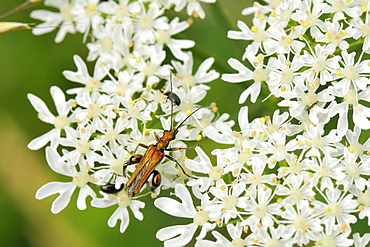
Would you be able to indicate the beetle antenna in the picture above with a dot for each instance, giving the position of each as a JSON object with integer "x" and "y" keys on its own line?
{"x": 183, "y": 121}
{"x": 171, "y": 100}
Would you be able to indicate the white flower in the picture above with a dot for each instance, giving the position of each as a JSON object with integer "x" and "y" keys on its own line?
{"x": 164, "y": 37}
{"x": 270, "y": 237}
{"x": 277, "y": 147}
{"x": 259, "y": 209}
{"x": 86, "y": 15}
{"x": 82, "y": 146}
{"x": 340, "y": 7}
{"x": 94, "y": 108}
{"x": 118, "y": 12}
{"x": 185, "y": 75}
{"x": 338, "y": 209}
{"x": 363, "y": 199}
{"x": 336, "y": 236}
{"x": 150, "y": 64}
{"x": 147, "y": 21}
{"x": 257, "y": 33}
{"x": 112, "y": 167}
{"x": 188, "y": 100}
{"x": 309, "y": 103}
{"x": 124, "y": 86}
{"x": 334, "y": 35}
{"x": 82, "y": 76}
{"x": 295, "y": 189}
{"x": 65, "y": 189}
{"x": 309, "y": 16}
{"x": 103, "y": 44}
{"x": 361, "y": 241}
{"x": 360, "y": 114}
{"x": 321, "y": 64}
{"x": 60, "y": 122}
{"x": 123, "y": 201}
{"x": 355, "y": 74}
{"x": 304, "y": 225}
{"x": 182, "y": 234}
{"x": 227, "y": 199}
{"x": 313, "y": 141}
{"x": 326, "y": 171}
{"x": 362, "y": 30}
{"x": 355, "y": 168}
{"x": 220, "y": 130}
{"x": 256, "y": 177}
{"x": 259, "y": 75}
{"x": 52, "y": 20}
{"x": 136, "y": 110}
{"x": 202, "y": 164}
{"x": 282, "y": 42}
{"x": 353, "y": 138}
{"x": 284, "y": 75}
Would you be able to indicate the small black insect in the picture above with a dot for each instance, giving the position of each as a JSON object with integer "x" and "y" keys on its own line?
{"x": 174, "y": 98}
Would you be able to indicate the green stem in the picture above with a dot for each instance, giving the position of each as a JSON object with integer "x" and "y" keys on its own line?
{"x": 20, "y": 7}
{"x": 353, "y": 45}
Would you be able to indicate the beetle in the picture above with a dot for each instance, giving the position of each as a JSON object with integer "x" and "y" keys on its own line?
{"x": 153, "y": 155}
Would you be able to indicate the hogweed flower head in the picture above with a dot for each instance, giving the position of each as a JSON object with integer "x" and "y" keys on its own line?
{"x": 96, "y": 133}
{"x": 298, "y": 177}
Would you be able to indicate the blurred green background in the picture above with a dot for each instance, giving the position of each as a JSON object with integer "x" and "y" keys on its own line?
{"x": 30, "y": 64}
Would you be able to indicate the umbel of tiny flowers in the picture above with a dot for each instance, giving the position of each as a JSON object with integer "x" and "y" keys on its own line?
{"x": 122, "y": 102}
{"x": 305, "y": 171}
{"x": 287, "y": 179}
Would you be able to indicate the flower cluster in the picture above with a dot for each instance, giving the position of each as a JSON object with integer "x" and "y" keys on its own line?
{"x": 130, "y": 96}
{"x": 300, "y": 177}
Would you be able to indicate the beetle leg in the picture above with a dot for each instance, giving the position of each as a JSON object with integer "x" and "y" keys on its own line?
{"x": 182, "y": 168}
{"x": 111, "y": 188}
{"x": 156, "y": 137}
{"x": 181, "y": 148}
{"x": 156, "y": 180}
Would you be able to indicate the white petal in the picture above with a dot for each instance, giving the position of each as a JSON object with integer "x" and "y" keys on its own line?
{"x": 172, "y": 231}
{"x": 55, "y": 163}
{"x": 343, "y": 122}
{"x": 243, "y": 118}
{"x": 183, "y": 193}
{"x": 203, "y": 156}
{"x": 135, "y": 207}
{"x": 44, "y": 15}
{"x": 183, "y": 239}
{"x": 81, "y": 73}
{"x": 49, "y": 189}
{"x": 39, "y": 105}
{"x": 62, "y": 201}
{"x": 59, "y": 100}
{"x": 41, "y": 141}
{"x": 195, "y": 166}
{"x": 173, "y": 207}
{"x": 176, "y": 47}
{"x": 219, "y": 135}
{"x": 103, "y": 202}
{"x": 84, "y": 193}
{"x": 360, "y": 119}
{"x": 120, "y": 214}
